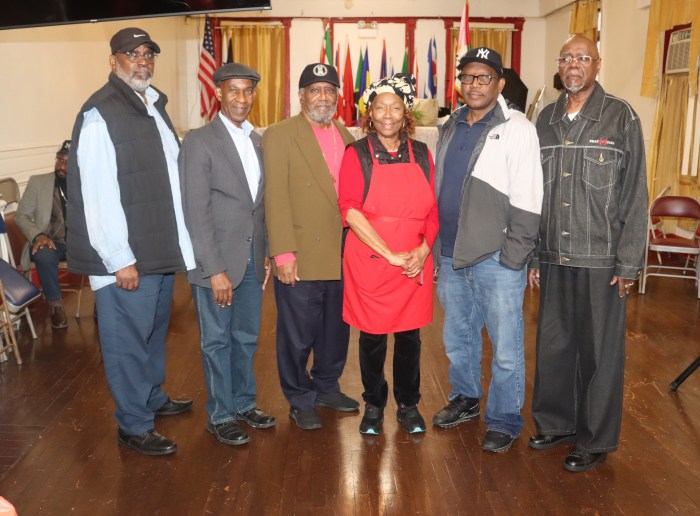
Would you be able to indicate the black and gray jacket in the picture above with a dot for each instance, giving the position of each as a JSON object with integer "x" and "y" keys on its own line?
{"x": 502, "y": 196}
{"x": 595, "y": 195}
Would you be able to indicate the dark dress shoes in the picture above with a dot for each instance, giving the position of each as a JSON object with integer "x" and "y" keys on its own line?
{"x": 148, "y": 443}
{"x": 173, "y": 407}
{"x": 497, "y": 442}
{"x": 545, "y": 442}
{"x": 228, "y": 433}
{"x": 578, "y": 460}
{"x": 257, "y": 418}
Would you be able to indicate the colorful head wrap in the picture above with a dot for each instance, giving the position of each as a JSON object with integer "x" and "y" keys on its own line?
{"x": 401, "y": 84}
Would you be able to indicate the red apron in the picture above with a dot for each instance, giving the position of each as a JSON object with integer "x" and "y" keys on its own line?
{"x": 378, "y": 298}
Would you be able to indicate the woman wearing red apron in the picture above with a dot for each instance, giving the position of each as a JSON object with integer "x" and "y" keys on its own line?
{"x": 387, "y": 199}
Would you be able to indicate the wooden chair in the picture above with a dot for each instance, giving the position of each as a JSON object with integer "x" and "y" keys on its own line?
{"x": 8, "y": 341}
{"x": 677, "y": 207}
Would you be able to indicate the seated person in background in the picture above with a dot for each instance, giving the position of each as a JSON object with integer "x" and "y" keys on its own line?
{"x": 41, "y": 216}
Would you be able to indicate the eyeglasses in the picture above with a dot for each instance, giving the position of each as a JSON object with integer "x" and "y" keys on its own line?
{"x": 61, "y": 160}
{"x": 467, "y": 79}
{"x": 579, "y": 60}
{"x": 135, "y": 56}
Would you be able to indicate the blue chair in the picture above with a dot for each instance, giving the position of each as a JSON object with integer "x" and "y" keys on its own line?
{"x": 19, "y": 291}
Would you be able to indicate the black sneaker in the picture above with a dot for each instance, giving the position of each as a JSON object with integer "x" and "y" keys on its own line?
{"x": 410, "y": 419}
{"x": 371, "y": 423}
{"x": 457, "y": 411}
{"x": 306, "y": 419}
{"x": 337, "y": 401}
{"x": 497, "y": 442}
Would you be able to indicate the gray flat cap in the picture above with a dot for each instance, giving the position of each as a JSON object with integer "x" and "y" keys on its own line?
{"x": 236, "y": 71}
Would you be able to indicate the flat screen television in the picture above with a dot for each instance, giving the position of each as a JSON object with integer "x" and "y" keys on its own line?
{"x": 33, "y": 13}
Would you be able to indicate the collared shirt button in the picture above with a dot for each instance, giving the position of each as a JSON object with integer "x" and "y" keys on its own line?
{"x": 565, "y": 204}
{"x": 565, "y": 174}
{"x": 564, "y": 259}
{"x": 249, "y": 239}
{"x": 565, "y": 233}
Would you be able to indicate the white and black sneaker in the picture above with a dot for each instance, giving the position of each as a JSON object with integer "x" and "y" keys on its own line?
{"x": 457, "y": 411}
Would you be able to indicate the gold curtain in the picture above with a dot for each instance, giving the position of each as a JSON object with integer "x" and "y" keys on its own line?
{"x": 497, "y": 39}
{"x": 584, "y": 19}
{"x": 262, "y": 48}
{"x": 666, "y": 154}
{"x": 663, "y": 16}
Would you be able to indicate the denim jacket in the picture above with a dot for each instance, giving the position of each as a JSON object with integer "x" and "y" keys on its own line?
{"x": 594, "y": 212}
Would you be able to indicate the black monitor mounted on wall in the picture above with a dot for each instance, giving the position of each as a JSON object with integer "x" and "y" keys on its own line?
{"x": 16, "y": 14}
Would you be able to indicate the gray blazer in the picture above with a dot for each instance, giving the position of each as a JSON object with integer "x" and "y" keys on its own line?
{"x": 33, "y": 214}
{"x": 221, "y": 216}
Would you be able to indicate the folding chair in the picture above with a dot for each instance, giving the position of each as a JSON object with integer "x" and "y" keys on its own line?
{"x": 8, "y": 341}
{"x": 677, "y": 207}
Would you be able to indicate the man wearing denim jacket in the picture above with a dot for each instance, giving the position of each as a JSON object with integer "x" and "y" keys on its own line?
{"x": 489, "y": 187}
{"x": 591, "y": 245}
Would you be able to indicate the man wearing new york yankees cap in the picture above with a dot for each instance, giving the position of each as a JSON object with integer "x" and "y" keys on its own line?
{"x": 488, "y": 180}
{"x": 126, "y": 230}
{"x": 302, "y": 157}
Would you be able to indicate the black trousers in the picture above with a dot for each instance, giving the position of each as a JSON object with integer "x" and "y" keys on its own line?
{"x": 406, "y": 367}
{"x": 310, "y": 318}
{"x": 579, "y": 374}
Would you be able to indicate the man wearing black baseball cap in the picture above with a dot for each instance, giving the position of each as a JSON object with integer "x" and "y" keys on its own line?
{"x": 222, "y": 194}
{"x": 41, "y": 217}
{"x": 302, "y": 163}
{"x": 488, "y": 180}
{"x": 127, "y": 232}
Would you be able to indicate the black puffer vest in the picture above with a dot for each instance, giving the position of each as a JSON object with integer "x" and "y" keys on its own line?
{"x": 144, "y": 184}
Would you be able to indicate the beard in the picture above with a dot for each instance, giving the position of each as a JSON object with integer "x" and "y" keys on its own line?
{"x": 573, "y": 84}
{"x": 318, "y": 114}
{"x": 129, "y": 77}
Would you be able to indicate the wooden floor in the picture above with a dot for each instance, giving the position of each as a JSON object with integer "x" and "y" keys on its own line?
{"x": 58, "y": 452}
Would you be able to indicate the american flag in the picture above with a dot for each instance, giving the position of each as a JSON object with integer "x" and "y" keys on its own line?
{"x": 206, "y": 74}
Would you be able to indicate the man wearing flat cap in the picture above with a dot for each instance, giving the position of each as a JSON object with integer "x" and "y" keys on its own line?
{"x": 489, "y": 188}
{"x": 221, "y": 175}
{"x": 41, "y": 217}
{"x": 126, "y": 230}
{"x": 302, "y": 162}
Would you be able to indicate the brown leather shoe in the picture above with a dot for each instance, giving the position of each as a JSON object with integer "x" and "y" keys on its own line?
{"x": 58, "y": 318}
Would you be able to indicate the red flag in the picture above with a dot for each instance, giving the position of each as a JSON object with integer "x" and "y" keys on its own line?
{"x": 460, "y": 49}
{"x": 382, "y": 69}
{"x": 207, "y": 64}
{"x": 348, "y": 91}
{"x": 341, "y": 97}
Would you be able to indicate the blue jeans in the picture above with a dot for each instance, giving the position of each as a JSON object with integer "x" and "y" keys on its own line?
{"x": 132, "y": 327}
{"x": 228, "y": 340}
{"x": 486, "y": 294}
{"x": 46, "y": 260}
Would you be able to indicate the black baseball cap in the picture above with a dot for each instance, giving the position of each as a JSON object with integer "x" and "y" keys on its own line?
{"x": 130, "y": 38}
{"x": 64, "y": 148}
{"x": 483, "y": 55}
{"x": 319, "y": 72}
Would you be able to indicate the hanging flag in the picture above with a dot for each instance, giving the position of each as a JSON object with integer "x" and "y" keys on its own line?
{"x": 415, "y": 73}
{"x": 391, "y": 66}
{"x": 340, "y": 106}
{"x": 404, "y": 66}
{"x": 348, "y": 90}
{"x": 365, "y": 72}
{"x": 461, "y": 47}
{"x": 358, "y": 81}
{"x": 205, "y": 75}
{"x": 432, "y": 70}
{"x": 326, "y": 48}
{"x": 382, "y": 69}
{"x": 230, "y": 50}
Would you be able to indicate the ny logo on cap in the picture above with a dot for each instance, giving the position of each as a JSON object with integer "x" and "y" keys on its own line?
{"x": 320, "y": 70}
{"x": 482, "y": 53}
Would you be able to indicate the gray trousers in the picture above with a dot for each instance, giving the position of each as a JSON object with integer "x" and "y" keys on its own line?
{"x": 579, "y": 374}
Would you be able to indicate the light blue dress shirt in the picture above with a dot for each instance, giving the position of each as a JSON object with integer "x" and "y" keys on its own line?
{"x": 246, "y": 151}
{"x": 104, "y": 214}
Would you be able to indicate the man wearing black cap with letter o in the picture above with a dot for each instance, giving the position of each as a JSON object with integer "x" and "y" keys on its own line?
{"x": 126, "y": 230}
{"x": 41, "y": 217}
{"x": 488, "y": 180}
{"x": 222, "y": 194}
{"x": 302, "y": 162}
